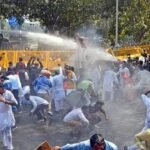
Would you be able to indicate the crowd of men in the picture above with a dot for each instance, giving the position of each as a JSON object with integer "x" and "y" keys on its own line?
{"x": 76, "y": 98}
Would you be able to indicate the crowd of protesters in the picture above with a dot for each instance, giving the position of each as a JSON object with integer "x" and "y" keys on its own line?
{"x": 76, "y": 98}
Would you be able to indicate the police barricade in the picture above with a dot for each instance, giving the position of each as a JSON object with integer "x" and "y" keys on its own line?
{"x": 123, "y": 53}
{"x": 49, "y": 59}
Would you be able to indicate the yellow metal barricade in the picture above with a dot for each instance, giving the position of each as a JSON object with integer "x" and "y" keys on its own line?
{"x": 49, "y": 59}
{"x": 133, "y": 51}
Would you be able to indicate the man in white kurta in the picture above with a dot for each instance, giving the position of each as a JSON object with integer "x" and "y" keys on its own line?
{"x": 108, "y": 84}
{"x": 16, "y": 88}
{"x": 146, "y": 100}
{"x": 7, "y": 119}
{"x": 58, "y": 91}
{"x": 77, "y": 120}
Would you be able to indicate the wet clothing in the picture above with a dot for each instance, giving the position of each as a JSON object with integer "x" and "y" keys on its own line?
{"x": 87, "y": 87}
{"x": 84, "y": 85}
{"x": 36, "y": 101}
{"x": 7, "y": 119}
{"x": 110, "y": 78}
{"x": 76, "y": 115}
{"x": 39, "y": 106}
{"x": 42, "y": 84}
{"x": 58, "y": 87}
{"x": 77, "y": 99}
{"x": 146, "y": 101}
{"x": 6, "y": 114}
{"x": 85, "y": 145}
{"x": 15, "y": 88}
{"x": 58, "y": 91}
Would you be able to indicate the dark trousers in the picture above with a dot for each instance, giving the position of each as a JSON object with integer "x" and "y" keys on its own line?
{"x": 40, "y": 111}
{"x": 16, "y": 95}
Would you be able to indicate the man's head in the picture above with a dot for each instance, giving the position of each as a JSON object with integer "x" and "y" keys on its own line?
{"x": 20, "y": 59}
{"x": 97, "y": 142}
{"x": 2, "y": 90}
{"x": 10, "y": 64}
{"x": 46, "y": 73}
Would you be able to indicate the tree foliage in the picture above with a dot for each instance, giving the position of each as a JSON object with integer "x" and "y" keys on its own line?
{"x": 55, "y": 14}
{"x": 68, "y": 15}
{"x": 134, "y": 21}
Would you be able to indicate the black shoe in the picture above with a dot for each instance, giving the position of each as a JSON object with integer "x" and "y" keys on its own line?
{"x": 125, "y": 147}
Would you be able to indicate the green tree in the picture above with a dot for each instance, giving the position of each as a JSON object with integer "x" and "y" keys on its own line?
{"x": 55, "y": 14}
{"x": 134, "y": 21}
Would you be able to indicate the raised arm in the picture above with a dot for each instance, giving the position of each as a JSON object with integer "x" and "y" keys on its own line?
{"x": 41, "y": 65}
{"x": 30, "y": 62}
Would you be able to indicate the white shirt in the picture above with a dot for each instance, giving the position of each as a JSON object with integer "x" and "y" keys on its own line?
{"x": 9, "y": 97}
{"x": 76, "y": 115}
{"x": 36, "y": 100}
{"x": 26, "y": 89}
{"x": 15, "y": 81}
{"x": 142, "y": 59}
{"x": 6, "y": 115}
{"x": 146, "y": 101}
{"x": 109, "y": 79}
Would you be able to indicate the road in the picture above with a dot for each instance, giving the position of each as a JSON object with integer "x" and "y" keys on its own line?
{"x": 125, "y": 118}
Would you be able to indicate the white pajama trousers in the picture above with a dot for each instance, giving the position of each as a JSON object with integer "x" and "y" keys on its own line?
{"x": 108, "y": 95}
{"x": 59, "y": 104}
{"x": 7, "y": 138}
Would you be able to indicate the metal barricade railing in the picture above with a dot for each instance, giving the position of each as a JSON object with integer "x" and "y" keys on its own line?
{"x": 49, "y": 59}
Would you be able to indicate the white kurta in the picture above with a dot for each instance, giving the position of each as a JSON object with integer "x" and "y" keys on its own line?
{"x": 146, "y": 101}
{"x": 76, "y": 115}
{"x": 6, "y": 115}
{"x": 58, "y": 91}
{"x": 109, "y": 79}
{"x": 58, "y": 87}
